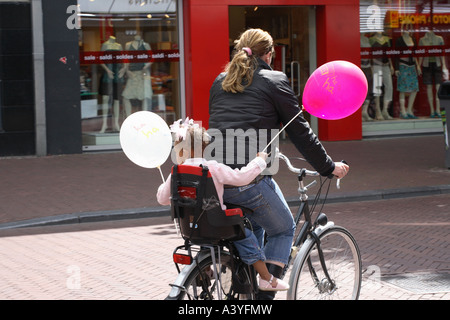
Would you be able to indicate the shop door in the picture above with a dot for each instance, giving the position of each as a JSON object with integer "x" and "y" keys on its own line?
{"x": 293, "y": 32}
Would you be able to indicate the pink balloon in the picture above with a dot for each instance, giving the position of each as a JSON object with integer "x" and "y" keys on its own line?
{"x": 335, "y": 90}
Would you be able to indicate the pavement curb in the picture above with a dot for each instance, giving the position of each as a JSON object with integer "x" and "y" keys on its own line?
{"x": 152, "y": 212}
{"x": 85, "y": 217}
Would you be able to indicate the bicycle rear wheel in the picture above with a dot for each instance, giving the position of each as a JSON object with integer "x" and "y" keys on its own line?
{"x": 200, "y": 283}
{"x": 343, "y": 263}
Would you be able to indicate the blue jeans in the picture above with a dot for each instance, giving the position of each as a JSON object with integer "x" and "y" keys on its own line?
{"x": 271, "y": 214}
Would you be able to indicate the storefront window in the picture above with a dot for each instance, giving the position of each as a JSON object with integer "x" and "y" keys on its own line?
{"x": 404, "y": 54}
{"x": 129, "y": 60}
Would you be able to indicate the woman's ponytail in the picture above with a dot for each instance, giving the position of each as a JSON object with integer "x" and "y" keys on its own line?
{"x": 252, "y": 44}
{"x": 239, "y": 72}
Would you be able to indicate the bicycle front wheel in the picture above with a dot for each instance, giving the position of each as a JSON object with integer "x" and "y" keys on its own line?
{"x": 342, "y": 258}
{"x": 201, "y": 284}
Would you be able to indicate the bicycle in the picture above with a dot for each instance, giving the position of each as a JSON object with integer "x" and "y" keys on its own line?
{"x": 325, "y": 259}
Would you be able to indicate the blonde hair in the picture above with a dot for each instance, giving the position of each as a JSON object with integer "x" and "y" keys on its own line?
{"x": 244, "y": 63}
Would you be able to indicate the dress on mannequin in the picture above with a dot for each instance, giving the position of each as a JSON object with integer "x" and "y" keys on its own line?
{"x": 139, "y": 84}
{"x": 366, "y": 67}
{"x": 110, "y": 85}
{"x": 407, "y": 81}
{"x": 434, "y": 69}
{"x": 382, "y": 77}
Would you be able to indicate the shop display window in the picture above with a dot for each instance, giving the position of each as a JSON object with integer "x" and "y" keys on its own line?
{"x": 129, "y": 61}
{"x": 405, "y": 46}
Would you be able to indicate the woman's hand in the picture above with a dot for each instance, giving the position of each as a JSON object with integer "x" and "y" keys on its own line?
{"x": 340, "y": 169}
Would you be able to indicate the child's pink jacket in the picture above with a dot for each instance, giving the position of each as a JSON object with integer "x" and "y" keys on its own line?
{"x": 221, "y": 174}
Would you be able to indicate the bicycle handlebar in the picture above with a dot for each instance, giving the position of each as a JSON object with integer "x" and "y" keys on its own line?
{"x": 305, "y": 171}
{"x": 294, "y": 169}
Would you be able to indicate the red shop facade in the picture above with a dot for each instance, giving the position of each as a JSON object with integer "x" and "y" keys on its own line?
{"x": 308, "y": 33}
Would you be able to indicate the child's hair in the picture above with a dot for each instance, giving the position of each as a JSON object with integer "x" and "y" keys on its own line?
{"x": 193, "y": 136}
{"x": 190, "y": 136}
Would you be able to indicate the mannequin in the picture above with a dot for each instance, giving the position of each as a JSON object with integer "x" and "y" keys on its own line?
{"x": 139, "y": 82}
{"x": 366, "y": 67}
{"x": 433, "y": 70}
{"x": 110, "y": 83}
{"x": 382, "y": 76}
{"x": 407, "y": 81}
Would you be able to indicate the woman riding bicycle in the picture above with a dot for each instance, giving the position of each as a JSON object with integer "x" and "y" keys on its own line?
{"x": 249, "y": 95}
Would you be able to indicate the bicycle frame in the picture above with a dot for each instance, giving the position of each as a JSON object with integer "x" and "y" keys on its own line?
{"x": 303, "y": 210}
{"x": 308, "y": 227}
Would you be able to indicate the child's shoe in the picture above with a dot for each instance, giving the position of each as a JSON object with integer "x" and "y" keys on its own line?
{"x": 267, "y": 285}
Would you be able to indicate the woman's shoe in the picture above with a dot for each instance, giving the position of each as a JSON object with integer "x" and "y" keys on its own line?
{"x": 267, "y": 285}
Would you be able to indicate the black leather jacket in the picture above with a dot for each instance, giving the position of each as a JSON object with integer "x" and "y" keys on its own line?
{"x": 268, "y": 102}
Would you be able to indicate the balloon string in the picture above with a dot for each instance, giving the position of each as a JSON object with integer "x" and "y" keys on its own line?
{"x": 282, "y": 129}
{"x": 162, "y": 176}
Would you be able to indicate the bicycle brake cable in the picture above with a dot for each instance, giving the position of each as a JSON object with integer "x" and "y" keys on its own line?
{"x": 317, "y": 197}
{"x": 326, "y": 194}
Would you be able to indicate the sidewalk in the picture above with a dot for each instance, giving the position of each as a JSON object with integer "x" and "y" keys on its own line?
{"x": 106, "y": 186}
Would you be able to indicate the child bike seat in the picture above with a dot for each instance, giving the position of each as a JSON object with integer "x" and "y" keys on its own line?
{"x": 196, "y": 206}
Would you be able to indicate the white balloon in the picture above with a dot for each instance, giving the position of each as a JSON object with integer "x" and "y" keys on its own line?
{"x": 146, "y": 139}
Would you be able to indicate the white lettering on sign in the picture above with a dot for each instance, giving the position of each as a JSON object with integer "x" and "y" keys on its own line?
{"x": 123, "y": 6}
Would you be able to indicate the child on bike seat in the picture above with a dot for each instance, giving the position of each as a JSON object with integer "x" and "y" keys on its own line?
{"x": 188, "y": 135}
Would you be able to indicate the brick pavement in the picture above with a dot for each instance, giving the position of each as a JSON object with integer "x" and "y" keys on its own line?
{"x": 132, "y": 259}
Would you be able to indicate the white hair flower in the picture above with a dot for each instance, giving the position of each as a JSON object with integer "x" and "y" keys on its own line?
{"x": 179, "y": 128}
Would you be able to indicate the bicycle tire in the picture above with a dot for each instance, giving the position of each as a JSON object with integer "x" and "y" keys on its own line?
{"x": 194, "y": 284}
{"x": 343, "y": 261}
